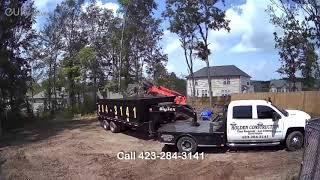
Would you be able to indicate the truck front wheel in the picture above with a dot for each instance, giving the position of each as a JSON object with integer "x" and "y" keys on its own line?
{"x": 187, "y": 144}
{"x": 294, "y": 141}
{"x": 114, "y": 127}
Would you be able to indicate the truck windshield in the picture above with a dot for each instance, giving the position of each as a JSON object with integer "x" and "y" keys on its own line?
{"x": 284, "y": 112}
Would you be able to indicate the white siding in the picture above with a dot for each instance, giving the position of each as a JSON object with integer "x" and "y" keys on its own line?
{"x": 245, "y": 81}
{"x": 218, "y": 86}
{"x": 201, "y": 85}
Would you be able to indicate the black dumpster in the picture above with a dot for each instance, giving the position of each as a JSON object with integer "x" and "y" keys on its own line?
{"x": 132, "y": 111}
{"x": 310, "y": 168}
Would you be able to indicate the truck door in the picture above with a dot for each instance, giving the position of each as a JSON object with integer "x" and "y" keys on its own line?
{"x": 253, "y": 124}
{"x": 239, "y": 119}
{"x": 266, "y": 128}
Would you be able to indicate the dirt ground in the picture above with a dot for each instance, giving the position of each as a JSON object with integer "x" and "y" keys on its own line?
{"x": 81, "y": 149}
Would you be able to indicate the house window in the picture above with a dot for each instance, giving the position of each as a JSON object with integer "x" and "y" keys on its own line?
{"x": 204, "y": 93}
{"x": 196, "y": 83}
{"x": 226, "y": 81}
{"x": 225, "y": 92}
{"x": 248, "y": 83}
{"x": 197, "y": 92}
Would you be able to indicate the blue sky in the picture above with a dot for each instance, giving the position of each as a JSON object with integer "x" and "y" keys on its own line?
{"x": 249, "y": 45}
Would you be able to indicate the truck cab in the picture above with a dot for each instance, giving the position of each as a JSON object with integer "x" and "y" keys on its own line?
{"x": 243, "y": 123}
{"x": 259, "y": 122}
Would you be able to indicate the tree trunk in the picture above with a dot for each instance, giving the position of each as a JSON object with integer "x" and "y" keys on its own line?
{"x": 193, "y": 89}
{"x": 209, "y": 82}
{"x": 192, "y": 79}
{"x": 54, "y": 86}
{"x": 95, "y": 86}
{"x": 49, "y": 87}
{"x": 0, "y": 126}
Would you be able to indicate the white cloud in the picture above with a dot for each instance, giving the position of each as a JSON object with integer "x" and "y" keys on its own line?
{"x": 243, "y": 47}
{"x": 250, "y": 23}
{"x": 170, "y": 67}
{"x": 172, "y": 46}
{"x": 108, "y": 5}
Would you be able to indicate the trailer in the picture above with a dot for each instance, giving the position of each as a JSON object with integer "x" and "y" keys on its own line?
{"x": 147, "y": 113}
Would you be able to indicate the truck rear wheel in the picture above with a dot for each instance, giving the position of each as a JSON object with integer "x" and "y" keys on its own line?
{"x": 105, "y": 124}
{"x": 294, "y": 141}
{"x": 115, "y": 128}
{"x": 187, "y": 144}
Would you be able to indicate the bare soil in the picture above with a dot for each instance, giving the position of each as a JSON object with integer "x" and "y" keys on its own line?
{"x": 81, "y": 149}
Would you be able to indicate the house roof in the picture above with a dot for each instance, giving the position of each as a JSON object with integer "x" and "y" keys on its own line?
{"x": 279, "y": 83}
{"x": 42, "y": 95}
{"x": 220, "y": 71}
{"x": 260, "y": 86}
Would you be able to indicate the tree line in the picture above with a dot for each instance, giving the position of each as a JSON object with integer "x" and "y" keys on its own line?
{"x": 83, "y": 48}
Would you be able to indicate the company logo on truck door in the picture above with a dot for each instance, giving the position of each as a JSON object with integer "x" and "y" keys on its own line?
{"x": 260, "y": 125}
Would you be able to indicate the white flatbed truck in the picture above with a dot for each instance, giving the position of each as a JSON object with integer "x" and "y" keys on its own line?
{"x": 243, "y": 123}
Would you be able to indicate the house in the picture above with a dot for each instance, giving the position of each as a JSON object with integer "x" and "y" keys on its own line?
{"x": 40, "y": 101}
{"x": 261, "y": 86}
{"x": 282, "y": 85}
{"x": 225, "y": 80}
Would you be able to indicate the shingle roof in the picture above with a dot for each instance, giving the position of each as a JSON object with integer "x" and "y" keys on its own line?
{"x": 279, "y": 83}
{"x": 218, "y": 71}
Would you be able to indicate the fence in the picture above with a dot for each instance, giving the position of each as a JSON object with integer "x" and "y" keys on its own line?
{"x": 310, "y": 168}
{"x": 308, "y": 101}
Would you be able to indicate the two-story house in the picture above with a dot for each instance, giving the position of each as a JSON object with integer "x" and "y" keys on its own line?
{"x": 225, "y": 80}
{"x": 282, "y": 85}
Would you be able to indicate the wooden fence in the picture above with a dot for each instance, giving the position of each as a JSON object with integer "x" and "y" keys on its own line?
{"x": 308, "y": 101}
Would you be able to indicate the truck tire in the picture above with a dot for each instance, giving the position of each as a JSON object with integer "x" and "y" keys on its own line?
{"x": 294, "y": 141}
{"x": 105, "y": 124}
{"x": 114, "y": 127}
{"x": 187, "y": 144}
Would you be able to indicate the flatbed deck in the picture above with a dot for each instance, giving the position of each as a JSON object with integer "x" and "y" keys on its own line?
{"x": 206, "y": 134}
{"x": 185, "y": 127}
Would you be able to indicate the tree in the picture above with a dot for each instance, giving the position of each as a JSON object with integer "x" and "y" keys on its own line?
{"x": 140, "y": 40}
{"x": 99, "y": 55}
{"x": 45, "y": 52}
{"x": 194, "y": 19}
{"x": 297, "y": 40}
{"x": 16, "y": 34}
{"x": 72, "y": 39}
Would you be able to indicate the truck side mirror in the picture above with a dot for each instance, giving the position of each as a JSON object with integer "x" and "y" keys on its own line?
{"x": 275, "y": 116}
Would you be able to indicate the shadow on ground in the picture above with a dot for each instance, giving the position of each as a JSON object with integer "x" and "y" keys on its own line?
{"x": 217, "y": 150}
{"x": 42, "y": 130}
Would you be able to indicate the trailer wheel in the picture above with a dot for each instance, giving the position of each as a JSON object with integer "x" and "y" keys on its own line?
{"x": 187, "y": 144}
{"x": 114, "y": 127}
{"x": 294, "y": 141}
{"x": 105, "y": 124}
